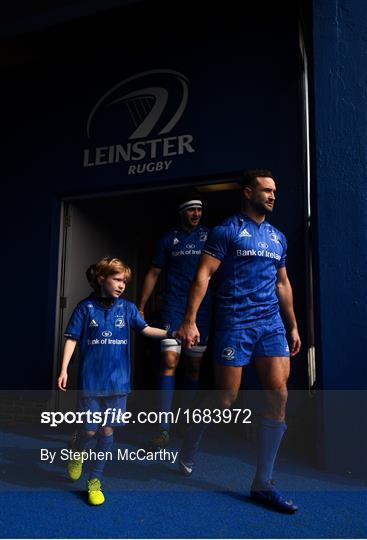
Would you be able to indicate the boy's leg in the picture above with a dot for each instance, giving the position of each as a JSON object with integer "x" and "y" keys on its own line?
{"x": 103, "y": 446}
{"x": 81, "y": 439}
{"x": 115, "y": 406}
{"x": 94, "y": 485}
{"x": 75, "y": 463}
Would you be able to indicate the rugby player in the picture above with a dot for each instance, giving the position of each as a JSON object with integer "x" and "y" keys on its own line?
{"x": 254, "y": 302}
{"x": 178, "y": 251}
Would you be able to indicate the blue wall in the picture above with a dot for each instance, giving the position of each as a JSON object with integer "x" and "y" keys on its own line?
{"x": 340, "y": 138}
{"x": 340, "y": 167}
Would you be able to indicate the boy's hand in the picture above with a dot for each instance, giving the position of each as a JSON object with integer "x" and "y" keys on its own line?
{"x": 175, "y": 336}
{"x": 61, "y": 381}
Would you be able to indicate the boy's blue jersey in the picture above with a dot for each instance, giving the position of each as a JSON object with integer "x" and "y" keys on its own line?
{"x": 103, "y": 335}
{"x": 251, "y": 254}
{"x": 179, "y": 252}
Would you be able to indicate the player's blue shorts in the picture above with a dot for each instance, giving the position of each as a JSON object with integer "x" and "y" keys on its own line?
{"x": 237, "y": 347}
{"x": 172, "y": 321}
{"x": 100, "y": 404}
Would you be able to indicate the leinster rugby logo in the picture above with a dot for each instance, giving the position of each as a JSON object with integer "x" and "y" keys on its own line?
{"x": 228, "y": 353}
{"x": 130, "y": 123}
{"x": 119, "y": 322}
{"x": 274, "y": 237}
{"x": 146, "y": 102}
{"x": 106, "y": 333}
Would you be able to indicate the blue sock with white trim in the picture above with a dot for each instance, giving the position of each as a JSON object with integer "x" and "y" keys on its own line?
{"x": 166, "y": 386}
{"x": 270, "y": 434}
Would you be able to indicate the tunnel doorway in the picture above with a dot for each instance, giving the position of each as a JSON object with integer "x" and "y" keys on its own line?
{"x": 127, "y": 226}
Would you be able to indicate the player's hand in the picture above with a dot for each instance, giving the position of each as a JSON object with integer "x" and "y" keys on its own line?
{"x": 141, "y": 311}
{"x": 188, "y": 334}
{"x": 61, "y": 381}
{"x": 294, "y": 342}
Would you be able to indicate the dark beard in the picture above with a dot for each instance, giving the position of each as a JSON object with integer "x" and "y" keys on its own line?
{"x": 261, "y": 209}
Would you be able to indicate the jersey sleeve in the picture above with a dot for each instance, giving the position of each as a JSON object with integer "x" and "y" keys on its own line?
{"x": 161, "y": 254}
{"x": 136, "y": 320}
{"x": 74, "y": 328}
{"x": 218, "y": 242}
{"x": 281, "y": 262}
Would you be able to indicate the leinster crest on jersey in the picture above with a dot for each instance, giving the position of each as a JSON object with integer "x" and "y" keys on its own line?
{"x": 119, "y": 322}
{"x": 274, "y": 237}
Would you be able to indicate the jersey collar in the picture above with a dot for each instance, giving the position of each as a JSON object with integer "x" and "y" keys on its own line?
{"x": 99, "y": 304}
{"x": 244, "y": 217}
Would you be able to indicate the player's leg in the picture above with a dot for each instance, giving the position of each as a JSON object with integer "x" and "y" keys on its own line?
{"x": 227, "y": 383}
{"x": 170, "y": 355}
{"x": 193, "y": 358}
{"x": 273, "y": 373}
{"x": 228, "y": 374}
{"x": 273, "y": 368}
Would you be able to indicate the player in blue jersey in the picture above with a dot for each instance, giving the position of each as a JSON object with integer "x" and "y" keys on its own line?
{"x": 101, "y": 324}
{"x": 248, "y": 256}
{"x": 178, "y": 251}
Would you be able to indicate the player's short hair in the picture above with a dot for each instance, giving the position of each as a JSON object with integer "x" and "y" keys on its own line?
{"x": 106, "y": 267}
{"x": 249, "y": 178}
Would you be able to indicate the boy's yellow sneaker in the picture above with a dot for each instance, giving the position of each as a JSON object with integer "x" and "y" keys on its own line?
{"x": 95, "y": 495}
{"x": 75, "y": 468}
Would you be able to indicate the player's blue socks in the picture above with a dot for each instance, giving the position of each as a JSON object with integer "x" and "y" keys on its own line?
{"x": 191, "y": 441}
{"x": 104, "y": 444}
{"x": 270, "y": 434}
{"x": 190, "y": 387}
{"x": 166, "y": 386}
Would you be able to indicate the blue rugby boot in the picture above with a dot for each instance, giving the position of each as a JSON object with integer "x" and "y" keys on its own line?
{"x": 268, "y": 495}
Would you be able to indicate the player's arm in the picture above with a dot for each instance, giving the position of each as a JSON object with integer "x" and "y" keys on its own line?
{"x": 69, "y": 348}
{"x": 285, "y": 297}
{"x": 150, "y": 281}
{"x": 188, "y": 332}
